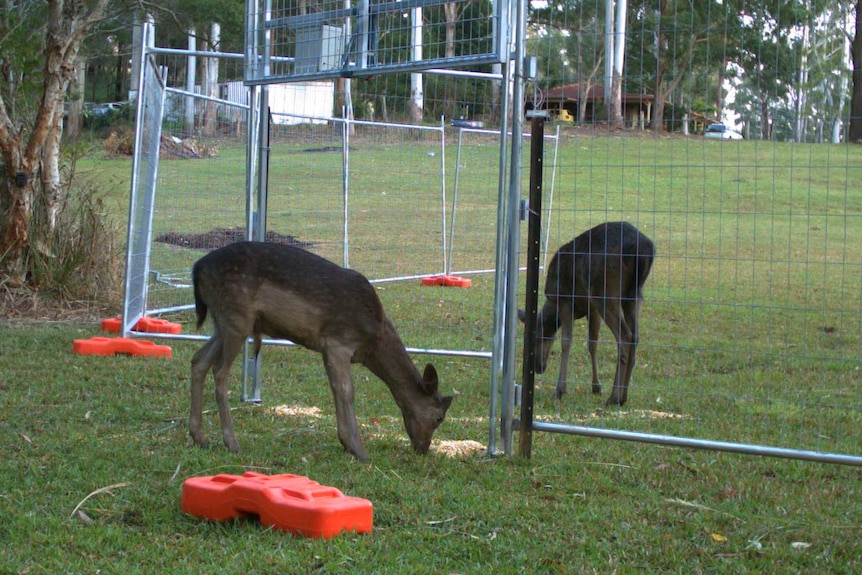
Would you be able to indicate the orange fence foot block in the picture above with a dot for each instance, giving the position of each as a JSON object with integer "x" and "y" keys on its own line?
{"x": 447, "y": 281}
{"x": 119, "y": 346}
{"x": 145, "y": 325}
{"x": 287, "y": 502}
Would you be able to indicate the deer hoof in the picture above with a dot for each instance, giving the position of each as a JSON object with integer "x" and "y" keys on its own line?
{"x": 614, "y": 402}
{"x": 360, "y": 455}
{"x": 199, "y": 441}
{"x": 559, "y": 393}
{"x": 597, "y": 388}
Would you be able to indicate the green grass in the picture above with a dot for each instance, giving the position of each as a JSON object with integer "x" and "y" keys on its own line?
{"x": 74, "y": 424}
{"x": 750, "y": 332}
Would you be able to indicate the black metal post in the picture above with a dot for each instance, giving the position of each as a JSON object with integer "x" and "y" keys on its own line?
{"x": 531, "y": 305}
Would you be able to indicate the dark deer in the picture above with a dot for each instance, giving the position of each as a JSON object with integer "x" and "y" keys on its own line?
{"x": 600, "y": 274}
{"x": 253, "y": 288}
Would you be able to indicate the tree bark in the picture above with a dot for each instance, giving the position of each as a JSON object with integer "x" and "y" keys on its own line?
{"x": 416, "y": 105}
{"x": 74, "y": 120}
{"x": 36, "y": 158}
{"x": 210, "y": 82}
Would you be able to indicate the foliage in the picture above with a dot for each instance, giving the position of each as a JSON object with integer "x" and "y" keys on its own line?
{"x": 176, "y": 17}
{"x": 78, "y": 262}
{"x": 31, "y": 127}
{"x": 121, "y": 142}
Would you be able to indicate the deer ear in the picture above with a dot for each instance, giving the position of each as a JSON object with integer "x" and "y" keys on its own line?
{"x": 430, "y": 379}
{"x": 522, "y": 316}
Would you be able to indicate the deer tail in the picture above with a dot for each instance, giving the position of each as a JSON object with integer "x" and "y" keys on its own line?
{"x": 200, "y": 306}
{"x": 645, "y": 258}
{"x": 641, "y": 258}
{"x": 256, "y": 344}
{"x": 644, "y": 267}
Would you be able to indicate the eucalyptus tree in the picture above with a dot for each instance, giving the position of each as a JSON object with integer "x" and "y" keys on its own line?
{"x": 673, "y": 39}
{"x": 210, "y": 25}
{"x": 792, "y": 67}
{"x": 567, "y": 37}
{"x": 765, "y": 66}
{"x": 41, "y": 40}
{"x": 817, "y": 29}
{"x": 828, "y": 69}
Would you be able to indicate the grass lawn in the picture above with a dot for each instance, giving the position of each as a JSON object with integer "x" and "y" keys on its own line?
{"x": 75, "y": 424}
{"x": 750, "y": 332}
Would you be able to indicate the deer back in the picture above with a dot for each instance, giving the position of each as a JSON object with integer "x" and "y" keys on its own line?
{"x": 610, "y": 260}
{"x": 286, "y": 292}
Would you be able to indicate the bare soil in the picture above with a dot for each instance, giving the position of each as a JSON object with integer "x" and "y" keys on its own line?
{"x": 220, "y": 237}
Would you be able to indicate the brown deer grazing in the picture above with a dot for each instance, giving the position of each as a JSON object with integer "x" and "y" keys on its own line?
{"x": 600, "y": 274}
{"x": 253, "y": 288}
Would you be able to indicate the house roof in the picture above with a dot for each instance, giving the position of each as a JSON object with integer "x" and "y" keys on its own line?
{"x": 571, "y": 93}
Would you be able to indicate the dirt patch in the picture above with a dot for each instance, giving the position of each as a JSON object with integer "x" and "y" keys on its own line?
{"x": 188, "y": 149}
{"x": 220, "y": 237}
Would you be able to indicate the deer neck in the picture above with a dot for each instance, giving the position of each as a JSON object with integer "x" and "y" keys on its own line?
{"x": 389, "y": 360}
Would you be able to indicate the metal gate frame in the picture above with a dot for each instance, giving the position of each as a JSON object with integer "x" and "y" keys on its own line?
{"x": 526, "y": 424}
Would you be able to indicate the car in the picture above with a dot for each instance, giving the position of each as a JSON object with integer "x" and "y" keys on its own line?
{"x": 721, "y": 132}
{"x": 467, "y": 123}
{"x": 107, "y": 108}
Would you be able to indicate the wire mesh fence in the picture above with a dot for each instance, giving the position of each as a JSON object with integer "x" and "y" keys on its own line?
{"x": 718, "y": 149}
{"x": 295, "y": 41}
{"x": 751, "y": 324}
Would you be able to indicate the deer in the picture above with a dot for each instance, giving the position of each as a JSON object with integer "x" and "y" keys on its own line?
{"x": 598, "y": 275}
{"x": 250, "y": 289}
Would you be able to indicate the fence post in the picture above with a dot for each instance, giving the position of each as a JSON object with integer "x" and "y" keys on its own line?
{"x": 534, "y": 249}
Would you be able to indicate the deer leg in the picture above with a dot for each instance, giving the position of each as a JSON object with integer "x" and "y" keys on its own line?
{"x": 631, "y": 310}
{"x": 594, "y": 321}
{"x": 565, "y": 349}
{"x": 337, "y": 365}
{"x": 201, "y": 363}
{"x": 230, "y": 349}
{"x": 611, "y": 313}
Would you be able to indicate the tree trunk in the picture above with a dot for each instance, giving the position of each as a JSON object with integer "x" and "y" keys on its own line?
{"x": 66, "y": 26}
{"x": 837, "y": 121}
{"x": 765, "y": 123}
{"x": 452, "y": 14}
{"x": 52, "y": 186}
{"x": 210, "y": 82}
{"x": 74, "y": 120}
{"x": 383, "y": 111}
{"x": 416, "y": 105}
{"x": 16, "y": 228}
{"x": 584, "y": 86}
{"x": 615, "y": 108}
{"x": 855, "y": 131}
{"x": 417, "y": 100}
{"x": 657, "y": 123}
{"x": 801, "y": 104}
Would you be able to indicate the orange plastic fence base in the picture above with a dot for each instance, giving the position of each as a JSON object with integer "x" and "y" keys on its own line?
{"x": 447, "y": 281}
{"x": 119, "y": 346}
{"x": 287, "y": 502}
{"x": 145, "y": 324}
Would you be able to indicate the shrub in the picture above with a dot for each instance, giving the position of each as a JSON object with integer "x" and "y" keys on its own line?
{"x": 121, "y": 142}
{"x": 78, "y": 264}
